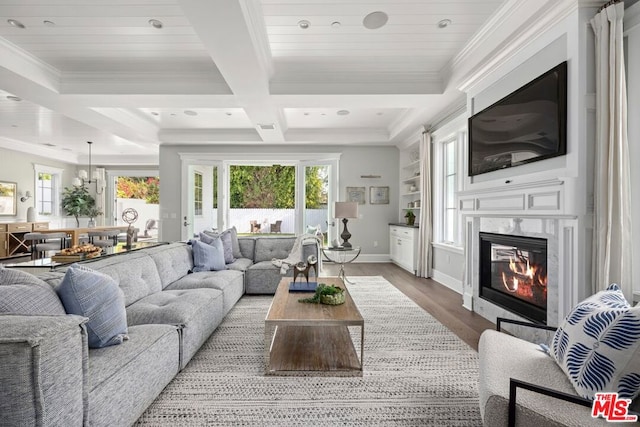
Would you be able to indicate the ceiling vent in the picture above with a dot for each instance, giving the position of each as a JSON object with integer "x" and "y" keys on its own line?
{"x": 267, "y": 126}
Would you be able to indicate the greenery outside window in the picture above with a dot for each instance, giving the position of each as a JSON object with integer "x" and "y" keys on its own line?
{"x": 197, "y": 194}
{"x": 47, "y": 193}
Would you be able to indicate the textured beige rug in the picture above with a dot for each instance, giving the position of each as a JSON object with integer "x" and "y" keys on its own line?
{"x": 416, "y": 372}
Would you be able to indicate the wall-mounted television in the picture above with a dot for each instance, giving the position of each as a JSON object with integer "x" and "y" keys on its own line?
{"x": 526, "y": 126}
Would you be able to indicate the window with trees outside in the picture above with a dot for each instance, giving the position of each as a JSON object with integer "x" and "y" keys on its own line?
{"x": 47, "y": 191}
{"x": 197, "y": 193}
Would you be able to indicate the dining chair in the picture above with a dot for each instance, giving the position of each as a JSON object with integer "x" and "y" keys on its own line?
{"x": 41, "y": 243}
{"x": 103, "y": 238}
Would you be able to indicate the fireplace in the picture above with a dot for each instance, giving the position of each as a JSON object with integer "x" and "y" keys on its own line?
{"x": 513, "y": 274}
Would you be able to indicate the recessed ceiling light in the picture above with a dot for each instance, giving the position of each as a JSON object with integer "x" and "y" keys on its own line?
{"x": 49, "y": 23}
{"x": 153, "y": 113}
{"x": 335, "y": 24}
{"x": 190, "y": 113}
{"x": 155, "y": 23}
{"x": 304, "y": 24}
{"x": 267, "y": 126}
{"x": 14, "y": 98}
{"x": 14, "y": 126}
{"x": 229, "y": 113}
{"x": 343, "y": 112}
{"x": 48, "y": 144}
{"x": 15, "y": 23}
{"x": 444, "y": 23}
{"x": 306, "y": 114}
{"x": 379, "y": 113}
{"x": 375, "y": 20}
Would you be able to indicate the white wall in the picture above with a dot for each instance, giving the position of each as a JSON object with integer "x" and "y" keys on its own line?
{"x": 371, "y": 227}
{"x": 18, "y": 167}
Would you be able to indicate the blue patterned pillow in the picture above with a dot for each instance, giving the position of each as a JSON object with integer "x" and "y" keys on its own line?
{"x": 598, "y": 345}
{"x": 95, "y": 295}
{"x": 208, "y": 256}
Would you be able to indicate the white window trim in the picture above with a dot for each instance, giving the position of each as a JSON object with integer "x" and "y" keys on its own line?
{"x": 459, "y": 135}
{"x": 202, "y": 174}
{"x": 56, "y": 191}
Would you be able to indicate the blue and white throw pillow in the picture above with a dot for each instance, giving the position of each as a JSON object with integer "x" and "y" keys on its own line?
{"x": 95, "y": 295}
{"x": 598, "y": 345}
{"x": 208, "y": 256}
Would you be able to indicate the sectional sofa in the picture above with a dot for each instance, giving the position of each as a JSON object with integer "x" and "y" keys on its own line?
{"x": 49, "y": 375}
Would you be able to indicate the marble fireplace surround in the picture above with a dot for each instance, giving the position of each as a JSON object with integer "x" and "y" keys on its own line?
{"x": 530, "y": 211}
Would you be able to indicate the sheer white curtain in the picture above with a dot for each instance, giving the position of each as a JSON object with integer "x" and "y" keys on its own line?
{"x": 425, "y": 233}
{"x": 612, "y": 246}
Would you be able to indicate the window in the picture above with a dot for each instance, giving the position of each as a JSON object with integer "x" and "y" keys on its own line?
{"x": 197, "y": 194}
{"x": 47, "y": 194}
{"x": 450, "y": 185}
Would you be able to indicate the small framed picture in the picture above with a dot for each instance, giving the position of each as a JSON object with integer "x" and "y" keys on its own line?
{"x": 379, "y": 195}
{"x": 356, "y": 194}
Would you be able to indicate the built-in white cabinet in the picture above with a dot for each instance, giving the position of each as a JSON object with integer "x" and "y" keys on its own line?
{"x": 403, "y": 246}
{"x": 410, "y": 182}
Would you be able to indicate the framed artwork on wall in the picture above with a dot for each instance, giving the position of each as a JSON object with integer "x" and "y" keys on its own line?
{"x": 356, "y": 194}
{"x": 8, "y": 198}
{"x": 379, "y": 195}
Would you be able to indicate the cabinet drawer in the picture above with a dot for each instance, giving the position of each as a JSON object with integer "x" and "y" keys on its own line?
{"x": 40, "y": 226}
{"x": 19, "y": 227}
{"x": 3, "y": 228}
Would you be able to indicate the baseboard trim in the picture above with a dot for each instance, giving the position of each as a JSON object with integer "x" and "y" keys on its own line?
{"x": 448, "y": 281}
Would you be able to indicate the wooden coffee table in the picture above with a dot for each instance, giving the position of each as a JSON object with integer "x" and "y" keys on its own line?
{"x": 312, "y": 339}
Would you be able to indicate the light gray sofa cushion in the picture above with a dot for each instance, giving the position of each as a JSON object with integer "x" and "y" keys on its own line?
{"x": 135, "y": 273}
{"x": 230, "y": 282}
{"x": 263, "y": 278}
{"x": 43, "y": 370}
{"x": 503, "y": 356}
{"x": 198, "y": 311}
{"x": 240, "y": 264}
{"x": 141, "y": 366}
{"x": 268, "y": 248}
{"x": 23, "y": 293}
{"x": 173, "y": 261}
{"x": 247, "y": 247}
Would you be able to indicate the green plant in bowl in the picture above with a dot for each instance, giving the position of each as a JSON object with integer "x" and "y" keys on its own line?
{"x": 326, "y": 294}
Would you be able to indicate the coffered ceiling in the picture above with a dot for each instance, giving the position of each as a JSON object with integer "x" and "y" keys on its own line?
{"x": 225, "y": 72}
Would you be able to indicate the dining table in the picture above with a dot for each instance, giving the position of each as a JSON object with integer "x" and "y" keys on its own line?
{"x": 74, "y": 233}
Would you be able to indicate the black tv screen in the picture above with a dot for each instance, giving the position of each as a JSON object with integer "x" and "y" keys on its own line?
{"x": 526, "y": 126}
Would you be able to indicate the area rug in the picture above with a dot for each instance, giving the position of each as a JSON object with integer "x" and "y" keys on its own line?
{"x": 416, "y": 372}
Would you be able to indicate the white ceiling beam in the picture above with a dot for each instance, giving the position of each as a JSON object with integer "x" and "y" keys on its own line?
{"x": 221, "y": 24}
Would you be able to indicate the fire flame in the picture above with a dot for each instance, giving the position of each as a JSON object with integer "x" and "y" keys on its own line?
{"x": 522, "y": 278}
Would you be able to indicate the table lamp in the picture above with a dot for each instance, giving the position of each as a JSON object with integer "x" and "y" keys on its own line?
{"x": 346, "y": 210}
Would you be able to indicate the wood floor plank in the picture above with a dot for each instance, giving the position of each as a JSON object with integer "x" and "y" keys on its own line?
{"x": 441, "y": 302}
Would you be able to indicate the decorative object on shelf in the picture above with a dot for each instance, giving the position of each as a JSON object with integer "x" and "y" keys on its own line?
{"x": 93, "y": 213}
{"x": 356, "y": 194}
{"x": 416, "y": 203}
{"x": 346, "y": 210}
{"x": 326, "y": 294}
{"x": 94, "y": 177}
{"x": 379, "y": 195}
{"x": 370, "y": 176}
{"x": 31, "y": 214}
{"x": 335, "y": 243}
{"x": 8, "y": 198}
{"x": 410, "y": 217}
{"x": 414, "y": 155}
{"x": 77, "y": 201}
{"x": 413, "y": 188}
{"x": 130, "y": 216}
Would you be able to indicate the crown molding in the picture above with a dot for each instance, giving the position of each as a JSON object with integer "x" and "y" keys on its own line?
{"x": 632, "y": 19}
{"x": 534, "y": 25}
{"x": 39, "y": 150}
{"x": 29, "y": 66}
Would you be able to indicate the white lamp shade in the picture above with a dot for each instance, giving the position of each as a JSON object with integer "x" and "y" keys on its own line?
{"x": 346, "y": 210}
